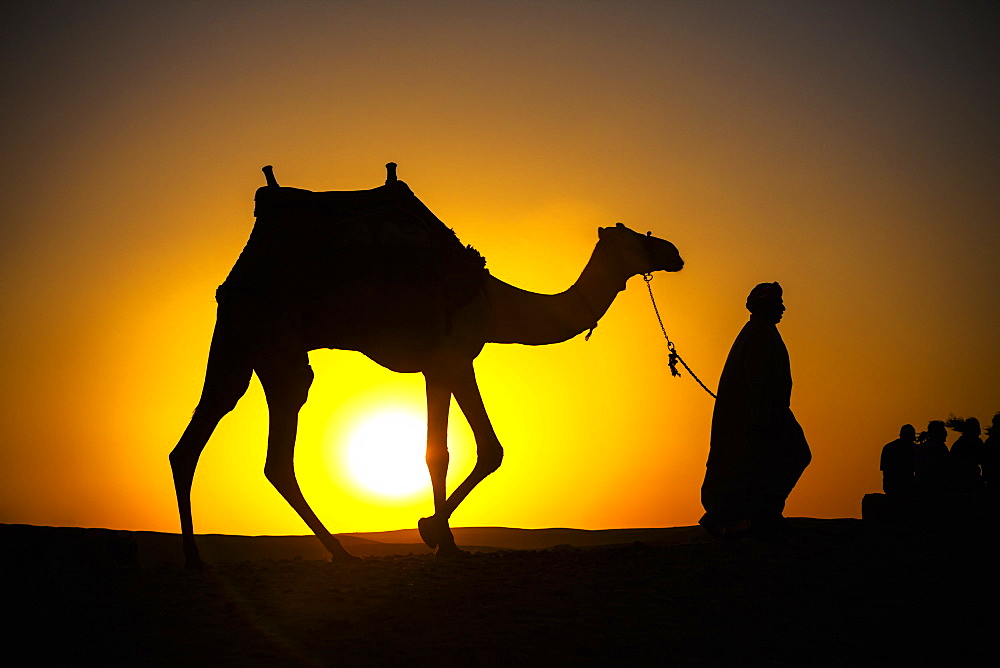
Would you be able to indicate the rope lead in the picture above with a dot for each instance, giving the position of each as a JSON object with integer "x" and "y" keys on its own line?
{"x": 674, "y": 356}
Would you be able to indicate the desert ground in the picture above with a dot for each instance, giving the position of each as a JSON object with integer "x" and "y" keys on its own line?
{"x": 842, "y": 591}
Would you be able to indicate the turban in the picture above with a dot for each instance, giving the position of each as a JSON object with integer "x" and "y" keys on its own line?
{"x": 762, "y": 295}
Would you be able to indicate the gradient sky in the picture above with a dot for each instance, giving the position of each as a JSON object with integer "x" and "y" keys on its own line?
{"x": 850, "y": 151}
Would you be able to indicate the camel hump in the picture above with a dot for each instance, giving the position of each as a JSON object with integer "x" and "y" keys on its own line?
{"x": 306, "y": 243}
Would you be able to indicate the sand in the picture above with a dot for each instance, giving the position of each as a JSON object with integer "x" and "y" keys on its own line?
{"x": 843, "y": 591}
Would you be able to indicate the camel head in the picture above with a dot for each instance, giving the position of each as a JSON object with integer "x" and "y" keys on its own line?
{"x": 641, "y": 253}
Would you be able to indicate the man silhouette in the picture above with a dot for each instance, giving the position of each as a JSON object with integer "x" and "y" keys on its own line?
{"x": 896, "y": 463}
{"x": 758, "y": 450}
{"x": 990, "y": 457}
{"x": 930, "y": 462}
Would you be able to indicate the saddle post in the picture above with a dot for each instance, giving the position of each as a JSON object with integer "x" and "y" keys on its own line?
{"x": 269, "y": 175}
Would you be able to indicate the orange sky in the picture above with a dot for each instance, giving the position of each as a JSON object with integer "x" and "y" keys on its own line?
{"x": 850, "y": 153}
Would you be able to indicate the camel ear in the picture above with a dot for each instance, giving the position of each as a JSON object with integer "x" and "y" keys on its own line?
{"x": 601, "y": 231}
{"x": 619, "y": 225}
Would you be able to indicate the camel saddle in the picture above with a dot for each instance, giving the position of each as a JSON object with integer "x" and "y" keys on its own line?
{"x": 306, "y": 246}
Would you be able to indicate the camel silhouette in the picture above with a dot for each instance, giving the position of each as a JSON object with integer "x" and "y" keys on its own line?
{"x": 376, "y": 272}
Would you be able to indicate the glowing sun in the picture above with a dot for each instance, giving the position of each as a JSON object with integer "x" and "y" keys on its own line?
{"x": 385, "y": 454}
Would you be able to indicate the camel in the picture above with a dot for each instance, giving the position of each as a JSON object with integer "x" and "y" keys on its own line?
{"x": 376, "y": 272}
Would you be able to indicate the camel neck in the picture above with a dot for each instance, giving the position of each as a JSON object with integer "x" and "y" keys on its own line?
{"x": 520, "y": 316}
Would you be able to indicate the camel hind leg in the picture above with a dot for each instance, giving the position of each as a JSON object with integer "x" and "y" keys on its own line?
{"x": 226, "y": 380}
{"x": 435, "y": 530}
{"x": 286, "y": 381}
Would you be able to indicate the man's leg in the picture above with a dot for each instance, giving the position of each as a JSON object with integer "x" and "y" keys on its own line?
{"x": 778, "y": 473}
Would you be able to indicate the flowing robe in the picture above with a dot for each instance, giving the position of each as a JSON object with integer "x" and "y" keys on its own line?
{"x": 758, "y": 450}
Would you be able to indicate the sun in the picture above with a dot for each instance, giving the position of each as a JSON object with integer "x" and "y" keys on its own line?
{"x": 385, "y": 454}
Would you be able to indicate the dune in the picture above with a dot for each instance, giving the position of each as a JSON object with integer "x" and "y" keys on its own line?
{"x": 34, "y": 544}
{"x": 843, "y": 591}
{"x": 541, "y": 539}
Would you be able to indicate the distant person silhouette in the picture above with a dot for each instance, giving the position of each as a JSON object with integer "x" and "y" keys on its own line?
{"x": 965, "y": 454}
{"x": 990, "y": 454}
{"x": 896, "y": 463}
{"x": 930, "y": 461}
{"x": 758, "y": 450}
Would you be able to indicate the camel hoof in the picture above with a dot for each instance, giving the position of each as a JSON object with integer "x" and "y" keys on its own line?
{"x": 437, "y": 535}
{"x": 194, "y": 565}
{"x": 192, "y": 556}
{"x": 451, "y": 552}
{"x": 428, "y": 533}
{"x": 344, "y": 558}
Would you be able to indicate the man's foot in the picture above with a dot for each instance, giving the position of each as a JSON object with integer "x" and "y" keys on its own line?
{"x": 733, "y": 531}
{"x": 195, "y": 565}
{"x": 770, "y": 527}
